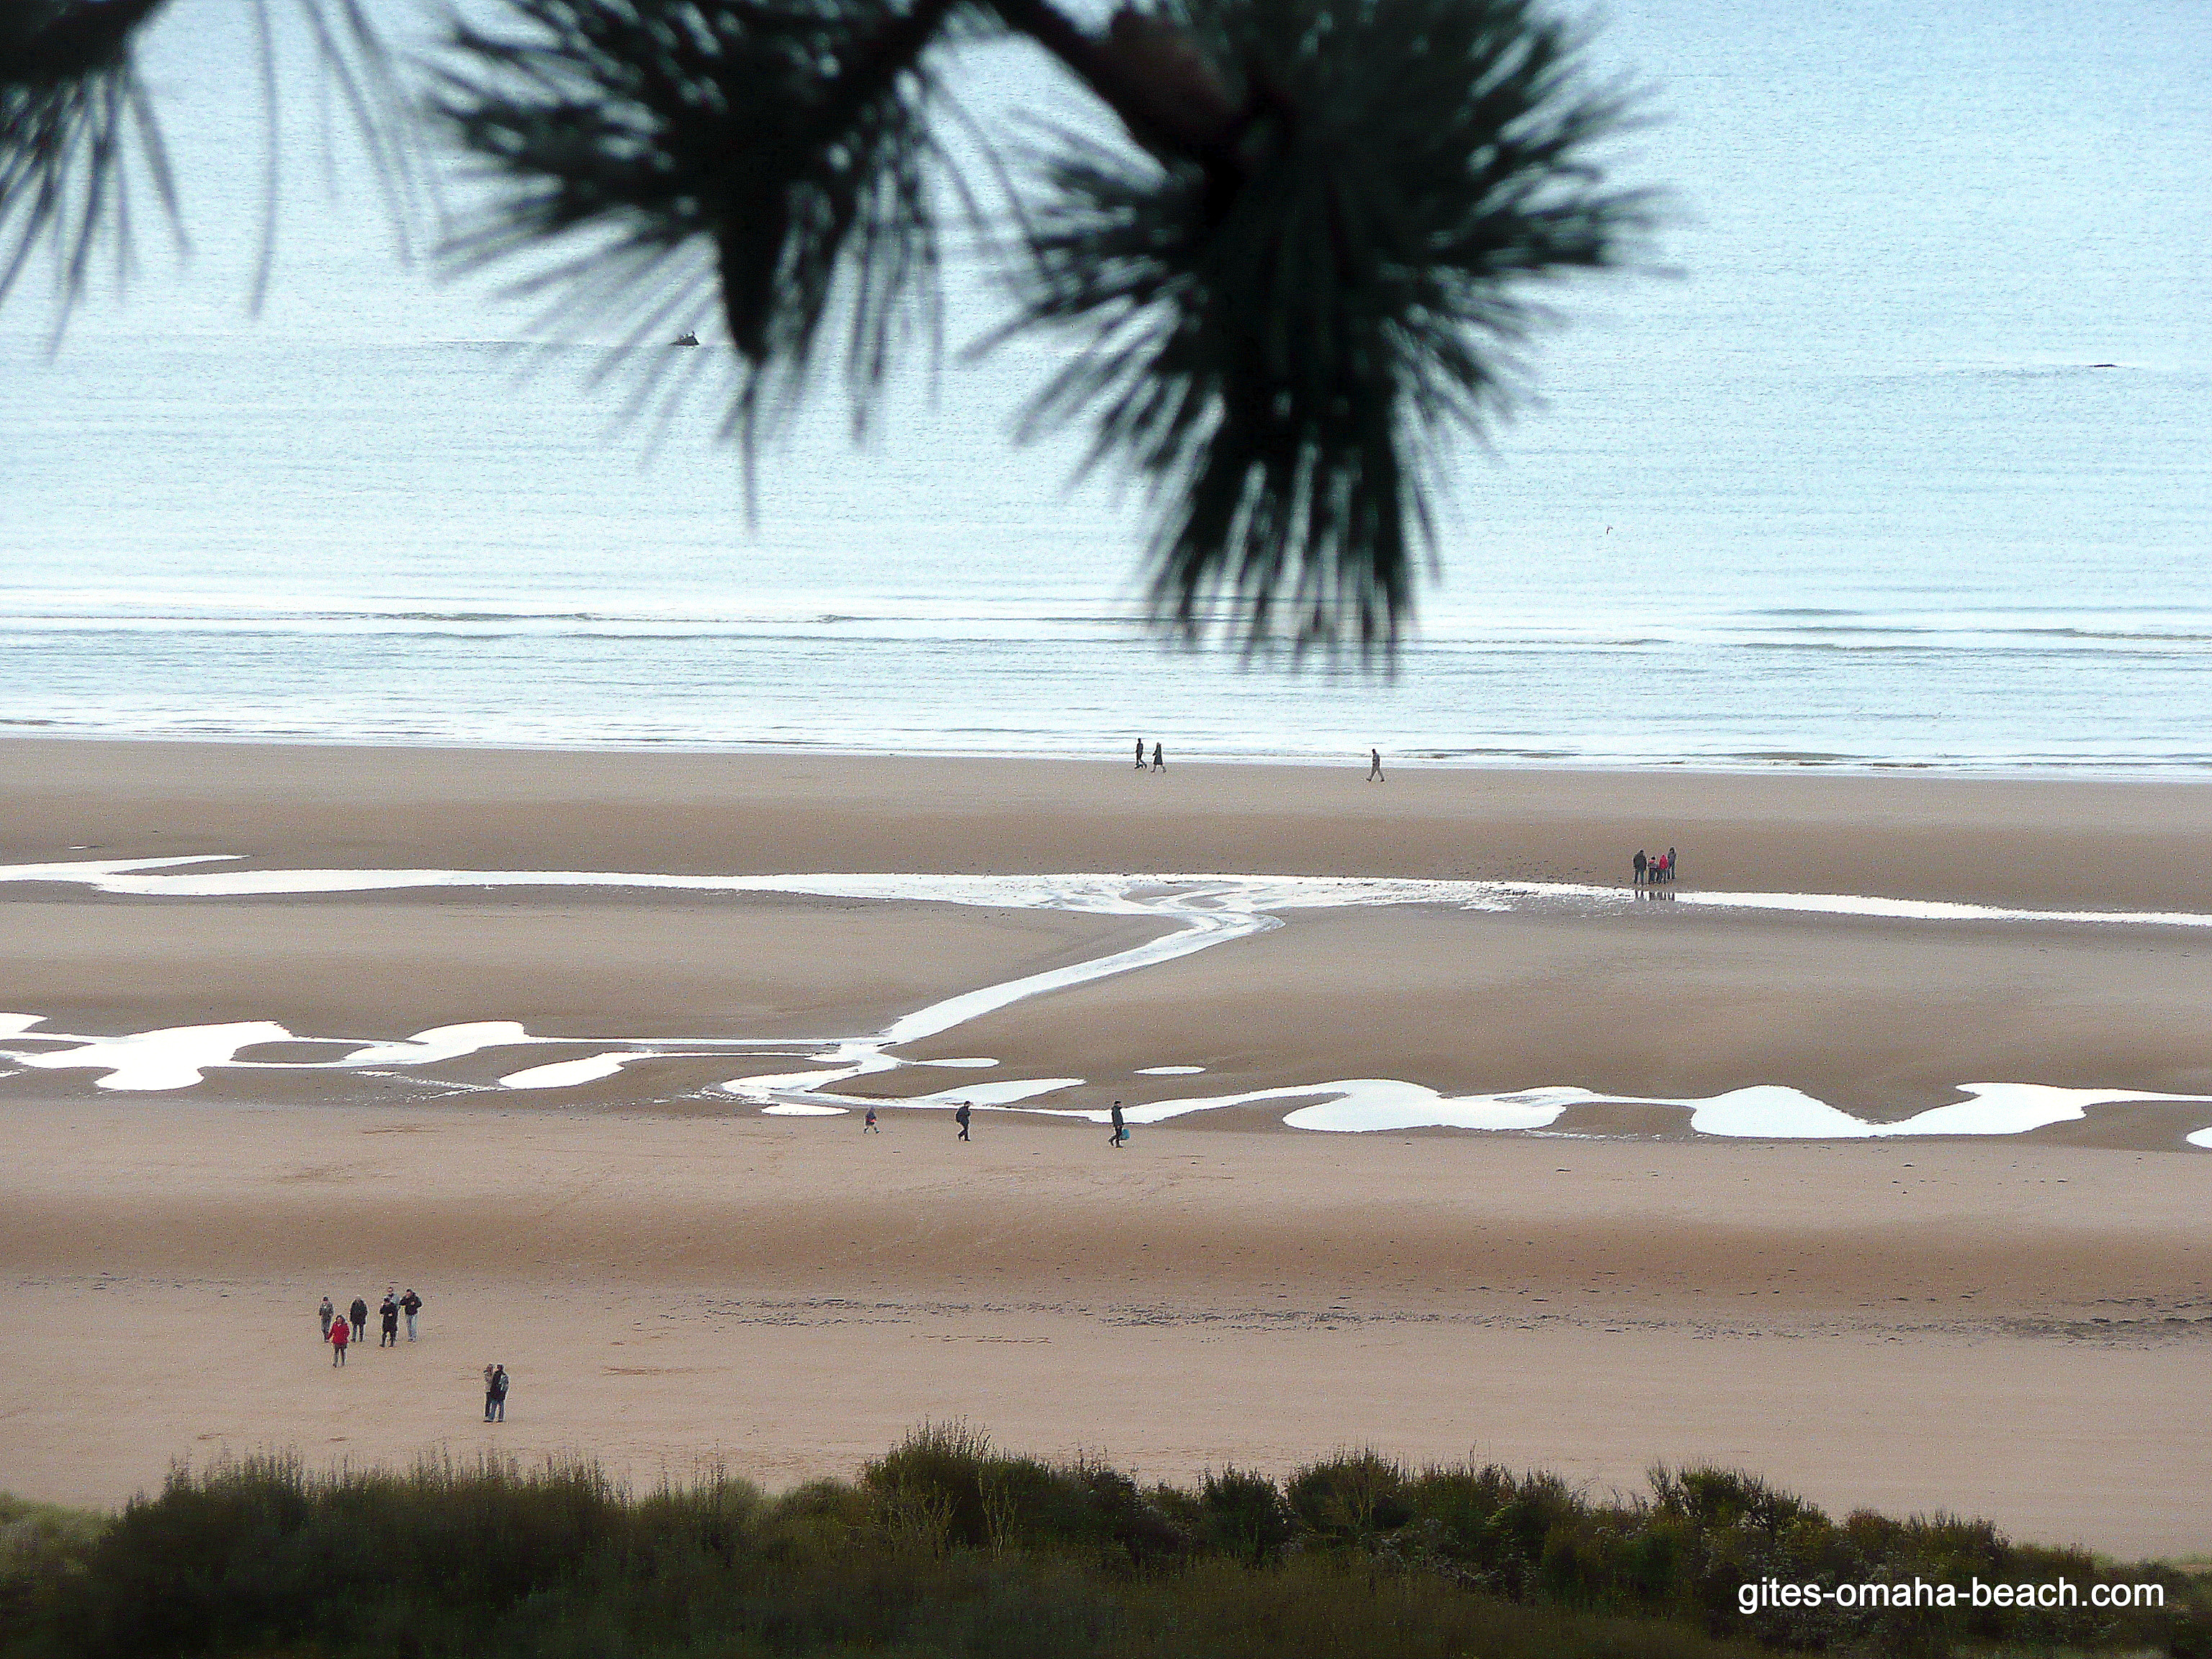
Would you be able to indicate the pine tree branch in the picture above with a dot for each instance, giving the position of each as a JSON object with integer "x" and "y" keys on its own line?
{"x": 895, "y": 49}
{"x": 1150, "y": 73}
{"x": 45, "y": 44}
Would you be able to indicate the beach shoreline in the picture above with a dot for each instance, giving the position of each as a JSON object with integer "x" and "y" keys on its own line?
{"x": 1779, "y": 765}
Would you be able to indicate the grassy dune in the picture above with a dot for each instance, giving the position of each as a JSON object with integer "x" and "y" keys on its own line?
{"x": 945, "y": 1547}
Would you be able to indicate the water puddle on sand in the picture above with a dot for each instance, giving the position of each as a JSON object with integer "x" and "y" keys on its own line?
{"x": 1203, "y": 911}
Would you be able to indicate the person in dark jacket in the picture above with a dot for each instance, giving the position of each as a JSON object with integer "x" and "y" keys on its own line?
{"x": 326, "y": 1312}
{"x": 960, "y": 1117}
{"x": 1121, "y": 1129}
{"x": 411, "y": 1304}
{"x": 495, "y": 1395}
{"x": 388, "y": 1315}
{"x": 357, "y": 1315}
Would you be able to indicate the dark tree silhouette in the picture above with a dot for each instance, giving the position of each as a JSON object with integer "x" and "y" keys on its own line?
{"x": 1309, "y": 265}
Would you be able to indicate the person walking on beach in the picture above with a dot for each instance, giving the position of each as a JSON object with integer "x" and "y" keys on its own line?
{"x": 1374, "y": 767}
{"x": 1121, "y": 1129}
{"x": 327, "y": 1313}
{"x": 358, "y": 1316}
{"x": 490, "y": 1372}
{"x": 341, "y": 1334}
{"x": 1159, "y": 760}
{"x": 1140, "y": 754}
{"x": 960, "y": 1117}
{"x": 1640, "y": 862}
{"x": 495, "y": 1395}
{"x": 411, "y": 1304}
{"x": 868, "y": 1124}
{"x": 1670, "y": 863}
{"x": 387, "y": 1313}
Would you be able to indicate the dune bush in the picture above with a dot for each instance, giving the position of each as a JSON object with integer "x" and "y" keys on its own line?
{"x": 945, "y": 1545}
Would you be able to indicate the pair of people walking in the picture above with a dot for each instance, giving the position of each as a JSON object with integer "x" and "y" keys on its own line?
{"x": 1159, "y": 759}
{"x": 495, "y": 1385}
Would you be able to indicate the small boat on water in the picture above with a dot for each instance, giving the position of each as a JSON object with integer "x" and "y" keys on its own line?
{"x": 686, "y": 339}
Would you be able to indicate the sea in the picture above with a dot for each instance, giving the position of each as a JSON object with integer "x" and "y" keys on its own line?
{"x": 1894, "y": 451}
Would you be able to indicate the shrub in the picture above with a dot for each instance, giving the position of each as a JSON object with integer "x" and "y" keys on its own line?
{"x": 1242, "y": 1516}
{"x": 945, "y": 1546}
{"x": 1350, "y": 1498}
{"x": 43, "y": 1548}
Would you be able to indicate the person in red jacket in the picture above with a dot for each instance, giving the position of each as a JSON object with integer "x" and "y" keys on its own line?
{"x": 341, "y": 1334}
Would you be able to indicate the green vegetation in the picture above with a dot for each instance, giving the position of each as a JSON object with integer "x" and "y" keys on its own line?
{"x": 947, "y": 1548}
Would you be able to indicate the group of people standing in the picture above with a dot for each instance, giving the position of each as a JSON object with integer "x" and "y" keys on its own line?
{"x": 343, "y": 1327}
{"x": 1652, "y": 870}
{"x": 342, "y": 1330}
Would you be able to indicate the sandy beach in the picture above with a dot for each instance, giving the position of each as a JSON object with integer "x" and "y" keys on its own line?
{"x": 2014, "y": 1326}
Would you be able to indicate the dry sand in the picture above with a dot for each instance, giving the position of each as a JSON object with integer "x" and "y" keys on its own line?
{"x": 2017, "y": 1328}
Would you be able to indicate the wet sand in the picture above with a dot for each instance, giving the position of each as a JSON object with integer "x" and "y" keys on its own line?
{"x": 673, "y": 1276}
{"x": 2018, "y": 1331}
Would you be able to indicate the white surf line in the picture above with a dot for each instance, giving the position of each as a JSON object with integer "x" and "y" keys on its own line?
{"x": 177, "y": 1057}
{"x": 1095, "y": 892}
{"x": 1765, "y": 1112}
{"x": 568, "y": 1073}
{"x": 439, "y": 1043}
{"x": 174, "y": 1058}
{"x": 1854, "y": 904}
{"x": 1211, "y": 909}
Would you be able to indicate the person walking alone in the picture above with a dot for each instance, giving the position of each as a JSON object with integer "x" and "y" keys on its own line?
{"x": 411, "y": 1304}
{"x": 341, "y": 1334}
{"x": 868, "y": 1126}
{"x": 1374, "y": 767}
{"x": 960, "y": 1117}
{"x": 327, "y": 1313}
{"x": 1121, "y": 1129}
